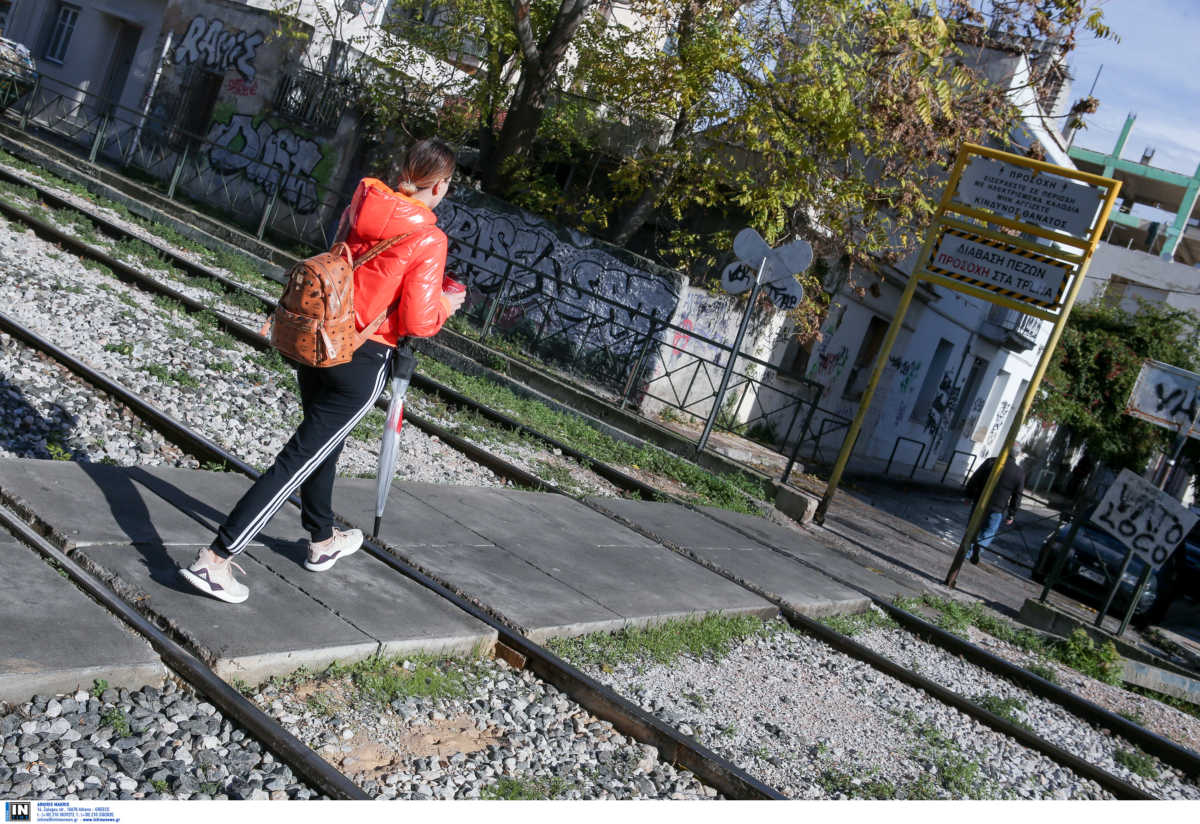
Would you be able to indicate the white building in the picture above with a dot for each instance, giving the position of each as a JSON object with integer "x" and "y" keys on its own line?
{"x": 958, "y": 369}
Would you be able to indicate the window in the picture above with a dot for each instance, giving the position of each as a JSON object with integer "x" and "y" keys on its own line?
{"x": 5, "y": 11}
{"x": 933, "y": 381}
{"x": 60, "y": 35}
{"x": 856, "y": 384}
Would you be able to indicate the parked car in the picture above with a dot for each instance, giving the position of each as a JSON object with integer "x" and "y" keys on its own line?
{"x": 1096, "y": 559}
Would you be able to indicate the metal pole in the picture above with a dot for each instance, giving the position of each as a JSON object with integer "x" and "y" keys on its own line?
{"x": 734, "y": 352}
{"x": 787, "y": 470}
{"x": 1113, "y": 592}
{"x": 137, "y": 134}
{"x": 100, "y": 130}
{"x": 495, "y": 305}
{"x": 266, "y": 215}
{"x": 889, "y": 340}
{"x": 29, "y": 104}
{"x": 639, "y": 365}
{"x": 1035, "y": 381}
{"x": 1061, "y": 561}
{"x": 1137, "y": 596}
{"x": 178, "y": 171}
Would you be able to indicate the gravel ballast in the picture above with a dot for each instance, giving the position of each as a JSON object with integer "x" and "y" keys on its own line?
{"x": 816, "y": 723}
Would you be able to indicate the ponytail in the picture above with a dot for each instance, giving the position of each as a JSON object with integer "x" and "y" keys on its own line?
{"x": 426, "y": 162}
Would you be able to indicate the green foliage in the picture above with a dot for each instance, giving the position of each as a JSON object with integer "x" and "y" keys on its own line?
{"x": 1137, "y": 762}
{"x": 859, "y": 623}
{"x": 709, "y": 637}
{"x": 727, "y": 490}
{"x": 1044, "y": 672}
{"x": 526, "y": 789}
{"x": 1006, "y": 708}
{"x": 1100, "y": 661}
{"x": 1093, "y": 370}
{"x": 383, "y": 679}
{"x": 159, "y": 785}
{"x": 115, "y": 717}
{"x": 1170, "y": 700}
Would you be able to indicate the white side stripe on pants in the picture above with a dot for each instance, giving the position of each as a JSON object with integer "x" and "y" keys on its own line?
{"x": 307, "y": 469}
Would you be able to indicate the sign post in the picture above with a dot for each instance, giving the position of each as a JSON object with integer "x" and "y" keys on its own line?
{"x": 1015, "y": 232}
{"x": 1148, "y": 522}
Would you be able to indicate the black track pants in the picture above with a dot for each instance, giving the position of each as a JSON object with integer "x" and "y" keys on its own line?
{"x": 335, "y": 399}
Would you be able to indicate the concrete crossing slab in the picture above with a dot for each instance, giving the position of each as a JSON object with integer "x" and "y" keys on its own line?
{"x": 54, "y": 638}
{"x": 805, "y": 590}
{"x": 293, "y": 617}
{"x": 548, "y": 563}
{"x": 105, "y": 504}
{"x": 817, "y": 556}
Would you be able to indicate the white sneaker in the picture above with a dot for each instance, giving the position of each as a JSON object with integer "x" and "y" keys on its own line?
{"x": 213, "y": 575}
{"x": 324, "y": 554}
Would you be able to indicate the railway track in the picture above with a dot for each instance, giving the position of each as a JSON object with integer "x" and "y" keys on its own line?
{"x": 200, "y": 446}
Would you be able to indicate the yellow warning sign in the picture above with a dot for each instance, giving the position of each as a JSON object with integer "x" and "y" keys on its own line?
{"x": 999, "y": 267}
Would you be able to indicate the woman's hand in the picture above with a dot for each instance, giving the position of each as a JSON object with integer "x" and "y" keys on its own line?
{"x": 454, "y": 300}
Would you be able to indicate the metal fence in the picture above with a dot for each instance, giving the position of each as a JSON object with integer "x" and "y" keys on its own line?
{"x": 244, "y": 180}
{"x": 640, "y": 357}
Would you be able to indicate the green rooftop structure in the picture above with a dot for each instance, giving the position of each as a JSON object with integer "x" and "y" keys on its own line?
{"x": 1176, "y": 239}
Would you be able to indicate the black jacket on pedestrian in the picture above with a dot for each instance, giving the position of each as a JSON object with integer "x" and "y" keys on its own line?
{"x": 1007, "y": 494}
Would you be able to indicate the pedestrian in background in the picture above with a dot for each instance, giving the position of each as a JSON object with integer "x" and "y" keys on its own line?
{"x": 1005, "y": 500}
{"x": 407, "y": 280}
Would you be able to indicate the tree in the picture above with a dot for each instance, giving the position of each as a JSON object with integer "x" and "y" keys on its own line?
{"x": 1095, "y": 365}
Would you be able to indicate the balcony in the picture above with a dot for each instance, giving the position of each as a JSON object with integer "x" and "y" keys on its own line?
{"x": 1011, "y": 329}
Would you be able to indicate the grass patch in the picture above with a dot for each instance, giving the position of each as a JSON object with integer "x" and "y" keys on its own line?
{"x": 125, "y": 349}
{"x": 1134, "y": 716}
{"x": 731, "y": 491}
{"x": 1044, "y": 672}
{"x": 383, "y": 679}
{"x": 859, "y": 623}
{"x": 1170, "y": 700}
{"x": 1006, "y": 708}
{"x": 526, "y": 789}
{"x": 709, "y": 637}
{"x": 837, "y": 783}
{"x": 370, "y": 428}
{"x": 1099, "y": 661}
{"x": 116, "y": 719}
{"x": 1137, "y": 762}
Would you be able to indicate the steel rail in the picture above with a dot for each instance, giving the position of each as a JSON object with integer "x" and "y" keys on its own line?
{"x": 1114, "y": 784}
{"x": 480, "y": 455}
{"x": 273, "y": 735}
{"x": 598, "y": 699}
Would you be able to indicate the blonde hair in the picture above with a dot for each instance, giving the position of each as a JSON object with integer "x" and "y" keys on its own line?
{"x": 426, "y": 162}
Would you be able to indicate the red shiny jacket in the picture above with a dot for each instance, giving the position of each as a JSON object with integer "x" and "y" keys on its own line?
{"x": 410, "y": 271}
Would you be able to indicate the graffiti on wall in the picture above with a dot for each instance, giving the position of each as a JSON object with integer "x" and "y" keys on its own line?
{"x": 972, "y": 417}
{"x": 907, "y": 371}
{"x": 560, "y": 288}
{"x": 241, "y": 87}
{"x": 827, "y": 366}
{"x": 998, "y": 426}
{"x": 218, "y": 49}
{"x": 267, "y": 156}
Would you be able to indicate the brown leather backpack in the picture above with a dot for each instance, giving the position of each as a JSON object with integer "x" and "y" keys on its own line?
{"x": 313, "y": 323}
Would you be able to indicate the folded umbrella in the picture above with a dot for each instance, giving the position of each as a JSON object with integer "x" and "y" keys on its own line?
{"x": 402, "y": 372}
{"x": 389, "y": 447}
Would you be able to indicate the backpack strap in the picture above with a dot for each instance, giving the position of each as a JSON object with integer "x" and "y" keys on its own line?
{"x": 378, "y": 248}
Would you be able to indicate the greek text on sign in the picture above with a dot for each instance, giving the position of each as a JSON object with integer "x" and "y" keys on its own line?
{"x": 1143, "y": 518}
{"x": 999, "y": 267}
{"x": 1167, "y": 396}
{"x": 1044, "y": 199}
